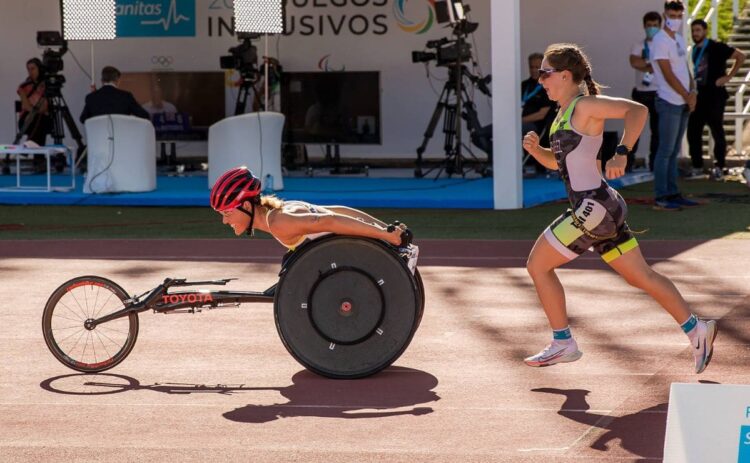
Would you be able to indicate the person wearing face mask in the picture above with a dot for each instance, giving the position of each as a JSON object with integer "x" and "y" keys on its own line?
{"x": 709, "y": 59}
{"x": 645, "y": 90}
{"x": 675, "y": 100}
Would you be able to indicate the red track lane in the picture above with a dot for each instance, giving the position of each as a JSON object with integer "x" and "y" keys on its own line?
{"x": 220, "y": 386}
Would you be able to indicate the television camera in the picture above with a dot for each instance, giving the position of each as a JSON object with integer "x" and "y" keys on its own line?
{"x": 243, "y": 57}
{"x": 455, "y": 102}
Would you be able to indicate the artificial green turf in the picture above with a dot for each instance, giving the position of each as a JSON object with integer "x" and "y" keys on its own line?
{"x": 726, "y": 214}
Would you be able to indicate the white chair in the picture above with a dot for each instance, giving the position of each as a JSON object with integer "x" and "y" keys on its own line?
{"x": 252, "y": 140}
{"x": 121, "y": 154}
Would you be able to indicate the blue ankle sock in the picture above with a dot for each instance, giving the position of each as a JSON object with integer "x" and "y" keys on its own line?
{"x": 562, "y": 335}
{"x": 689, "y": 324}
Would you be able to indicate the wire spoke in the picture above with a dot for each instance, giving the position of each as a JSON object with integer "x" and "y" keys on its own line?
{"x": 71, "y": 310}
{"x": 86, "y": 300}
{"x": 109, "y": 356}
{"x": 77, "y": 341}
{"x": 66, "y": 318}
{"x": 67, "y": 337}
{"x": 66, "y": 327}
{"x": 96, "y": 298}
{"x": 93, "y": 346}
{"x": 79, "y": 304}
{"x": 85, "y": 344}
{"x": 112, "y": 329}
{"x": 112, "y": 340}
{"x": 96, "y": 315}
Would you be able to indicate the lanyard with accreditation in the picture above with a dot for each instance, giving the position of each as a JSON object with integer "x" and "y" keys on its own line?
{"x": 697, "y": 60}
{"x": 527, "y": 95}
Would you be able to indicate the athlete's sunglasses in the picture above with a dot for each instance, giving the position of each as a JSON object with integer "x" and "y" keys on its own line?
{"x": 544, "y": 73}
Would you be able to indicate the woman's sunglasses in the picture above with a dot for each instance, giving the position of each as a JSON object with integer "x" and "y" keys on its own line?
{"x": 544, "y": 73}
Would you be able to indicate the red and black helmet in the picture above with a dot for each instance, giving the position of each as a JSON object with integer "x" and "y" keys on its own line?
{"x": 233, "y": 188}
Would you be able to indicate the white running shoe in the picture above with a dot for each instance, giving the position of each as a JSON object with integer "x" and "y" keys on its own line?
{"x": 556, "y": 352}
{"x": 703, "y": 346}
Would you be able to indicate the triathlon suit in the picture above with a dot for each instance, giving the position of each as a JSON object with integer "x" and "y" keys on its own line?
{"x": 294, "y": 205}
{"x": 596, "y": 219}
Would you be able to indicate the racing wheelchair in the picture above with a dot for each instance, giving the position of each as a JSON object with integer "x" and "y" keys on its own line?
{"x": 344, "y": 307}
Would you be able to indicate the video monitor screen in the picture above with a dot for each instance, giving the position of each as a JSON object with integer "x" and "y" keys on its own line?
{"x": 331, "y": 107}
{"x": 182, "y": 105}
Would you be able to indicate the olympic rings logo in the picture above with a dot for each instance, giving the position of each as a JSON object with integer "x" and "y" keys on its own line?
{"x": 163, "y": 61}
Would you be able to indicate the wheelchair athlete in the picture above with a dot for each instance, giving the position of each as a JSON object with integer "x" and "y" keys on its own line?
{"x": 236, "y": 196}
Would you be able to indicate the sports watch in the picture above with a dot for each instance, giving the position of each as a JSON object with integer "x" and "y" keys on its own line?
{"x": 622, "y": 150}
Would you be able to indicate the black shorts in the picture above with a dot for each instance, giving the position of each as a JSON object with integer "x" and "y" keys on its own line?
{"x": 597, "y": 222}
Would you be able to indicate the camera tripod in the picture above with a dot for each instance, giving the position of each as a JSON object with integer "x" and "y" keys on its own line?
{"x": 453, "y": 105}
{"x": 247, "y": 83}
{"x": 61, "y": 117}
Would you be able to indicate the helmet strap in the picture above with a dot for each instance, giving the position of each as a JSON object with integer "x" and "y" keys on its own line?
{"x": 250, "y": 213}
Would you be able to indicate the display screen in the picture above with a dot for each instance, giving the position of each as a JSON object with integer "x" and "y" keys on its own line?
{"x": 182, "y": 105}
{"x": 331, "y": 107}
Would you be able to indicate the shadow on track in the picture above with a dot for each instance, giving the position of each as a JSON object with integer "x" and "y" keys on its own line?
{"x": 382, "y": 395}
{"x": 640, "y": 433}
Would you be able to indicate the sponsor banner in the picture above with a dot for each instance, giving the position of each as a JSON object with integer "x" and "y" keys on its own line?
{"x": 155, "y": 18}
{"x": 707, "y": 423}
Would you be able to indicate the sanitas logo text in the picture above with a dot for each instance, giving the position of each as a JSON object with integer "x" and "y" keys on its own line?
{"x": 139, "y": 8}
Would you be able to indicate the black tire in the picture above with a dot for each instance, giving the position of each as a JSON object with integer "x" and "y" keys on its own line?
{"x": 346, "y": 307}
{"x": 420, "y": 294}
{"x": 63, "y": 324}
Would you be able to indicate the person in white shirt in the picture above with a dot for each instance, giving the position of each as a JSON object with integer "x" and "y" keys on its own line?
{"x": 645, "y": 89}
{"x": 676, "y": 99}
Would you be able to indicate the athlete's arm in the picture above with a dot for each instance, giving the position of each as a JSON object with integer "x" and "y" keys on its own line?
{"x": 287, "y": 226}
{"x": 357, "y": 214}
{"x": 593, "y": 111}
{"x": 545, "y": 156}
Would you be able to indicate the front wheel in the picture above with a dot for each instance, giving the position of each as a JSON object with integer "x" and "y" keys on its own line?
{"x": 89, "y": 350}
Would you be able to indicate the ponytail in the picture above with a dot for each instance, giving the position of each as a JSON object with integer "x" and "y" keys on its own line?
{"x": 592, "y": 86}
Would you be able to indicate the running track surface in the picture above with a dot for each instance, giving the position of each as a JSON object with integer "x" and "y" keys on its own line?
{"x": 219, "y": 386}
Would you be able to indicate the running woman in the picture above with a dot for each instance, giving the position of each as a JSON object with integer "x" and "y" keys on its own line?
{"x": 596, "y": 218}
{"x": 236, "y": 196}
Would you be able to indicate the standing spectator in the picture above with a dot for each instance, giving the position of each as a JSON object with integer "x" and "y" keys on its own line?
{"x": 709, "y": 60}
{"x": 111, "y": 100}
{"x": 536, "y": 107}
{"x": 645, "y": 89}
{"x": 675, "y": 100}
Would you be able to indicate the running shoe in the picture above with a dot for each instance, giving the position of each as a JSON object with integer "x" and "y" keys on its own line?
{"x": 554, "y": 353}
{"x": 666, "y": 205}
{"x": 703, "y": 346}
{"x": 695, "y": 174}
{"x": 682, "y": 201}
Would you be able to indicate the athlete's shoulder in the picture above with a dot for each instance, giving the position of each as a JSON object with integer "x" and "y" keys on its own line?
{"x": 586, "y": 101}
